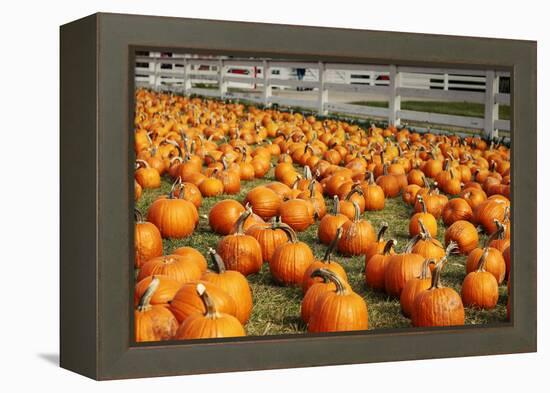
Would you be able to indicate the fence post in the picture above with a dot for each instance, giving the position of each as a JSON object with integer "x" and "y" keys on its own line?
{"x": 323, "y": 92}
{"x": 267, "y": 89}
{"x": 491, "y": 107}
{"x": 221, "y": 84}
{"x": 372, "y": 78}
{"x": 445, "y": 81}
{"x": 186, "y": 80}
{"x": 395, "y": 98}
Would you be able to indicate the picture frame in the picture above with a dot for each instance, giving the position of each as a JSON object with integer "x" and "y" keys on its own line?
{"x": 96, "y": 115}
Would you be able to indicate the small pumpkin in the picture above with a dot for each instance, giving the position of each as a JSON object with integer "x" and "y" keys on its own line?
{"x": 414, "y": 286}
{"x": 456, "y": 209}
{"x": 480, "y": 287}
{"x": 357, "y": 236}
{"x": 211, "y": 323}
{"x": 147, "y": 240}
{"x": 174, "y": 217}
{"x": 378, "y": 246}
{"x": 326, "y": 263}
{"x": 375, "y": 267}
{"x": 239, "y": 251}
{"x": 264, "y": 201}
{"x": 330, "y": 223}
{"x": 153, "y": 322}
{"x": 464, "y": 233}
{"x": 269, "y": 237}
{"x": 191, "y": 255}
{"x": 426, "y": 245}
{"x": 187, "y": 301}
{"x": 290, "y": 260}
{"x": 428, "y": 220}
{"x": 373, "y": 194}
{"x": 172, "y": 266}
{"x": 223, "y": 216}
{"x": 146, "y": 176}
{"x": 297, "y": 213}
{"x": 400, "y": 268}
{"x": 164, "y": 293}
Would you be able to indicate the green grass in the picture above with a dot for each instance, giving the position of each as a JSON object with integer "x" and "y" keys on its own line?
{"x": 277, "y": 309}
{"x": 448, "y": 108}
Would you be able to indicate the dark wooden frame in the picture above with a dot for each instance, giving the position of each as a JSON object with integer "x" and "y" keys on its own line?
{"x": 96, "y": 190}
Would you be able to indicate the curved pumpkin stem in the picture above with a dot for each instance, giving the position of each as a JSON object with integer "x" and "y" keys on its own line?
{"x": 209, "y": 305}
{"x": 425, "y": 272}
{"x": 307, "y": 173}
{"x": 357, "y": 212}
{"x": 410, "y": 244}
{"x": 355, "y": 190}
{"x": 422, "y": 203}
{"x": 140, "y": 162}
{"x": 451, "y": 248}
{"x": 138, "y": 216}
{"x": 370, "y": 178}
{"x": 239, "y": 225}
{"x": 383, "y": 228}
{"x": 217, "y": 261}
{"x": 292, "y": 237}
{"x": 424, "y": 233}
{"x": 336, "y": 207}
{"x": 426, "y": 182}
{"x": 436, "y": 276}
{"x": 145, "y": 300}
{"x": 332, "y": 246}
{"x": 327, "y": 274}
{"x": 500, "y": 232}
{"x": 483, "y": 260}
{"x": 389, "y": 245}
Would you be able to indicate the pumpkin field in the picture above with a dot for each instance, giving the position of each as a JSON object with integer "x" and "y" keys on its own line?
{"x": 255, "y": 221}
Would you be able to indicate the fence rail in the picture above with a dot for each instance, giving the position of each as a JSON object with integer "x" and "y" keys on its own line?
{"x": 255, "y": 80}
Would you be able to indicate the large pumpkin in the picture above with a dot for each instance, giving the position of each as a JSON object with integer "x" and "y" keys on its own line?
{"x": 400, "y": 268}
{"x": 340, "y": 310}
{"x": 414, "y": 286}
{"x": 232, "y": 282}
{"x": 223, "y": 216}
{"x": 438, "y": 305}
{"x": 464, "y": 233}
{"x": 297, "y": 213}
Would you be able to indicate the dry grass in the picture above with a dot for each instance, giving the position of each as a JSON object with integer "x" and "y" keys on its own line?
{"x": 277, "y": 309}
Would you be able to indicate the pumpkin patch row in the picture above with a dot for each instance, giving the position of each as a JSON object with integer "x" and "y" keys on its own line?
{"x": 328, "y": 174}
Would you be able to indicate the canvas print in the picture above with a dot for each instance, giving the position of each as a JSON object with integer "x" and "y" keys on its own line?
{"x": 284, "y": 196}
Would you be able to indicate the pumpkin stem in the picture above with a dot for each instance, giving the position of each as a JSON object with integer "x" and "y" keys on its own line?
{"x": 327, "y": 274}
{"x": 483, "y": 260}
{"x": 383, "y": 228}
{"x": 452, "y": 247}
{"x": 219, "y": 265}
{"x": 389, "y": 245}
{"x": 436, "y": 276}
{"x": 385, "y": 169}
{"x": 209, "y": 305}
{"x": 289, "y": 232}
{"x": 355, "y": 190}
{"x": 332, "y": 246}
{"x": 422, "y": 204}
{"x": 357, "y": 212}
{"x": 137, "y": 215}
{"x": 224, "y": 163}
{"x": 311, "y": 187}
{"x": 370, "y": 178}
{"x": 500, "y": 232}
{"x": 410, "y": 244}
{"x": 425, "y": 234}
{"x": 145, "y": 300}
{"x": 307, "y": 173}
{"x": 336, "y": 207}
{"x": 426, "y": 182}
{"x": 140, "y": 162}
{"x": 239, "y": 225}
{"x": 425, "y": 272}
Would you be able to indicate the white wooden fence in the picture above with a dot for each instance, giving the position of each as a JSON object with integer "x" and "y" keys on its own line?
{"x": 254, "y": 80}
